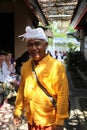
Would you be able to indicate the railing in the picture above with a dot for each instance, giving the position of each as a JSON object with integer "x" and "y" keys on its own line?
{"x": 82, "y": 74}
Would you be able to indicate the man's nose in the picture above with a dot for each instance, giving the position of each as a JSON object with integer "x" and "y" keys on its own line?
{"x": 34, "y": 47}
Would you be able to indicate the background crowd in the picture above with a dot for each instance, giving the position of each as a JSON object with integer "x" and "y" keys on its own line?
{"x": 58, "y": 55}
{"x": 10, "y": 73}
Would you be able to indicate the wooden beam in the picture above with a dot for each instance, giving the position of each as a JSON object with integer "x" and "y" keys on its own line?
{"x": 59, "y": 16}
{"x": 36, "y": 10}
{"x": 58, "y": 4}
{"x": 82, "y": 9}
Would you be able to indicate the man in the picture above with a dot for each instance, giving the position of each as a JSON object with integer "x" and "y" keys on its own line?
{"x": 40, "y": 112}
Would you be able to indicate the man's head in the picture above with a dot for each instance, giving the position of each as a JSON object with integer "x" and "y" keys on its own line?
{"x": 37, "y": 48}
{"x": 2, "y": 55}
{"x": 37, "y": 33}
{"x": 37, "y": 42}
{"x": 8, "y": 56}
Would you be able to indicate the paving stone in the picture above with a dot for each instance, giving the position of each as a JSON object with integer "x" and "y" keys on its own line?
{"x": 1, "y": 115}
{"x": 6, "y": 116}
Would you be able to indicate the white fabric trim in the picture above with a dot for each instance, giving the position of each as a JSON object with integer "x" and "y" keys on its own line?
{"x": 37, "y": 33}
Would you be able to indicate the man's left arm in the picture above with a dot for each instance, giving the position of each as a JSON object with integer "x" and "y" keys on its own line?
{"x": 62, "y": 91}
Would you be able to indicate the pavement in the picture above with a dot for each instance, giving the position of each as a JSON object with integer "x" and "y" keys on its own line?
{"x": 76, "y": 120}
{"x": 6, "y": 118}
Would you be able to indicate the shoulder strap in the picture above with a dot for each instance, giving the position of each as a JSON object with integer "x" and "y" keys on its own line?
{"x": 52, "y": 100}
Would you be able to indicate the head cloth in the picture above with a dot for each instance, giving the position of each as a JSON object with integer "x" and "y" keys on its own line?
{"x": 37, "y": 33}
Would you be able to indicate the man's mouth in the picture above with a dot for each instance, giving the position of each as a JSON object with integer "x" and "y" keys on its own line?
{"x": 35, "y": 54}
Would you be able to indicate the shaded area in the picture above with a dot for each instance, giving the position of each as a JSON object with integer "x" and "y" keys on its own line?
{"x": 73, "y": 123}
{"x": 76, "y": 120}
{"x": 77, "y": 80}
{"x": 83, "y": 104}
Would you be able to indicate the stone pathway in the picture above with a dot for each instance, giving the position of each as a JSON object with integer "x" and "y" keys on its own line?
{"x": 6, "y": 119}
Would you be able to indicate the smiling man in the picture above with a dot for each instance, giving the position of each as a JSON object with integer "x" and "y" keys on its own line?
{"x": 43, "y": 90}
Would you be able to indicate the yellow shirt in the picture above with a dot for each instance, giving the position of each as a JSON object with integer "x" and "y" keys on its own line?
{"x": 51, "y": 74}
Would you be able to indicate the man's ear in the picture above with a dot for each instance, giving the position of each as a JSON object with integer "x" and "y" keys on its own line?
{"x": 46, "y": 44}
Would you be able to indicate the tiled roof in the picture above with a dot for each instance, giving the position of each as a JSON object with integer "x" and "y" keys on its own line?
{"x": 58, "y": 9}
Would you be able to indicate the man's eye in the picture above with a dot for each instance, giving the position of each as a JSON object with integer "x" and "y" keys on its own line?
{"x": 37, "y": 43}
{"x": 29, "y": 44}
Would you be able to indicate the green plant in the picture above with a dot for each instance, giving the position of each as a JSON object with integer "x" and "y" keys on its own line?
{"x": 72, "y": 47}
{"x": 73, "y": 60}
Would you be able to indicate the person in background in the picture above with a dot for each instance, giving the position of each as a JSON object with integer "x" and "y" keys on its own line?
{"x": 56, "y": 54}
{"x": 1, "y": 70}
{"x": 41, "y": 112}
{"x": 20, "y": 60}
{"x": 48, "y": 52}
{"x": 3, "y": 55}
{"x": 8, "y": 67}
{"x": 4, "y": 81}
{"x": 1, "y": 79}
{"x": 59, "y": 55}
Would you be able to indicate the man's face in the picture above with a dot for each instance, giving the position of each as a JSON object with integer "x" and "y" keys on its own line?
{"x": 4, "y": 57}
{"x": 36, "y": 48}
{"x": 9, "y": 56}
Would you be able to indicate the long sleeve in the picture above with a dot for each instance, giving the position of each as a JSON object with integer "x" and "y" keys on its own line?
{"x": 5, "y": 70}
{"x": 19, "y": 104}
{"x": 1, "y": 76}
{"x": 62, "y": 96}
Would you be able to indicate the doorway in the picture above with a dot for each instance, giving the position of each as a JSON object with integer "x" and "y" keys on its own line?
{"x": 7, "y": 32}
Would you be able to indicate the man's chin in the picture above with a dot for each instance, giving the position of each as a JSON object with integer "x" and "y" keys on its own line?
{"x": 36, "y": 58}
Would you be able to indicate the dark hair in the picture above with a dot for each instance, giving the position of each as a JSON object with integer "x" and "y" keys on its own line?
{"x": 2, "y": 52}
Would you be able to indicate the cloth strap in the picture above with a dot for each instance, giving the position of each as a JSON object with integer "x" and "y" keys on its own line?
{"x": 52, "y": 100}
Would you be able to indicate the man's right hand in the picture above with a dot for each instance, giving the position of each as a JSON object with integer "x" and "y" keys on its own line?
{"x": 17, "y": 121}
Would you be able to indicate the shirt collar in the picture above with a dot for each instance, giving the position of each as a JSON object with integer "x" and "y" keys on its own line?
{"x": 44, "y": 60}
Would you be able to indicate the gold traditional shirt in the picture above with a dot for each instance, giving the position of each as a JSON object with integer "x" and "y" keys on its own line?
{"x": 51, "y": 74}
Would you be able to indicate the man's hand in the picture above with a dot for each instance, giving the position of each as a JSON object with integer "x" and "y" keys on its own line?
{"x": 57, "y": 127}
{"x": 17, "y": 121}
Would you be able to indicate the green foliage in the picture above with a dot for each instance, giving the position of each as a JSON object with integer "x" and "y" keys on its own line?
{"x": 72, "y": 57}
{"x": 50, "y": 41}
{"x": 73, "y": 60}
{"x": 62, "y": 35}
{"x": 71, "y": 29}
{"x": 72, "y": 47}
{"x": 56, "y": 32}
{"x": 40, "y": 24}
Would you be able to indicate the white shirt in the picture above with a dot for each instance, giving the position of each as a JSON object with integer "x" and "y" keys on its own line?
{"x": 5, "y": 70}
{"x": 1, "y": 76}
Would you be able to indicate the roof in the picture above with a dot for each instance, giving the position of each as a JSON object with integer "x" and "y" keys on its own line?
{"x": 79, "y": 15}
{"x": 36, "y": 9}
{"x": 57, "y": 9}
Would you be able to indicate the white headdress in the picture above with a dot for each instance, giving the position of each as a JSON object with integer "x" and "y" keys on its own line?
{"x": 37, "y": 33}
